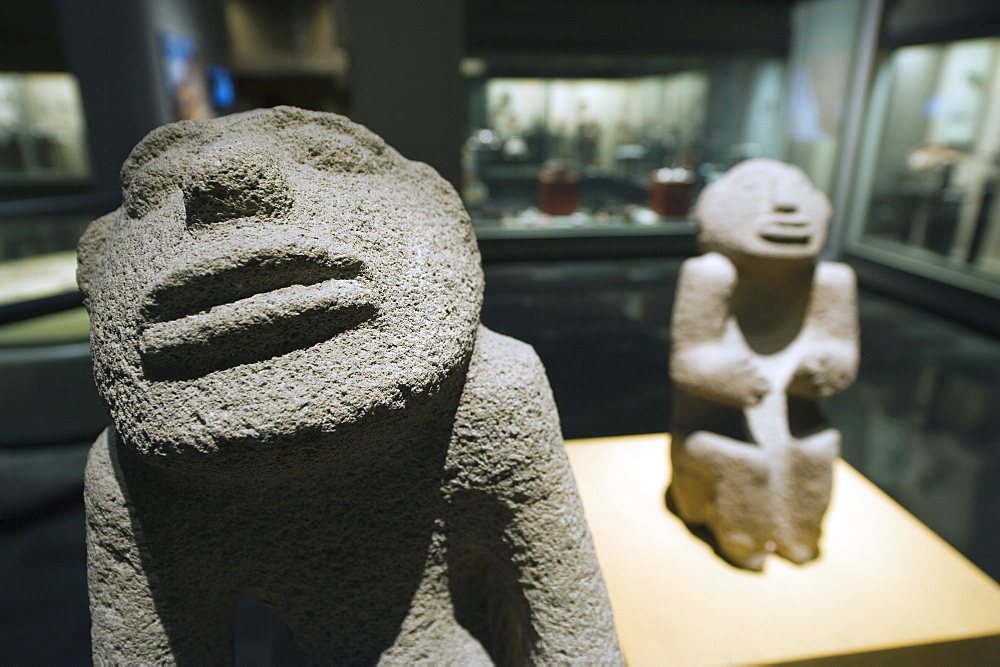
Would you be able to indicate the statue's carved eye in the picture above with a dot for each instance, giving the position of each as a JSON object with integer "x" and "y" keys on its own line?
{"x": 234, "y": 184}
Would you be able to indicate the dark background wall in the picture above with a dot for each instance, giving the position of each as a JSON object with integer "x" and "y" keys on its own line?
{"x": 628, "y": 26}
{"x": 404, "y": 77}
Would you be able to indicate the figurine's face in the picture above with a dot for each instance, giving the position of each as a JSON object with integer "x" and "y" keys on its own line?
{"x": 250, "y": 289}
{"x": 763, "y": 208}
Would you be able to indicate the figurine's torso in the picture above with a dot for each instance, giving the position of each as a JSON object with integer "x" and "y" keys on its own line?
{"x": 414, "y": 544}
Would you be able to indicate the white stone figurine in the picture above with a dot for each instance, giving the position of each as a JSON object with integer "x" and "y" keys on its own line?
{"x": 761, "y": 332}
{"x": 307, "y": 411}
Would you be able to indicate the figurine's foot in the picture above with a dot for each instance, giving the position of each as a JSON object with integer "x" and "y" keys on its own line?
{"x": 798, "y": 552}
{"x": 742, "y": 550}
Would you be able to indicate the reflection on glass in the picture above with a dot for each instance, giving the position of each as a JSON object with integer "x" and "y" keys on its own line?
{"x": 825, "y": 38}
{"x": 42, "y": 147}
{"x": 42, "y": 134}
{"x": 635, "y": 150}
{"x": 931, "y": 194}
{"x": 11, "y": 154}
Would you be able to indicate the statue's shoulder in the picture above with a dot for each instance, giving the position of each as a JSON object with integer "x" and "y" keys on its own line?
{"x": 835, "y": 275}
{"x": 507, "y": 395}
{"x": 504, "y": 369}
{"x": 507, "y": 430}
{"x": 100, "y": 467}
{"x": 104, "y": 496}
{"x": 712, "y": 268}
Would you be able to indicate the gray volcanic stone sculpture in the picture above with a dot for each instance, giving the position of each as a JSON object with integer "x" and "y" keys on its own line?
{"x": 761, "y": 332}
{"x": 308, "y": 412}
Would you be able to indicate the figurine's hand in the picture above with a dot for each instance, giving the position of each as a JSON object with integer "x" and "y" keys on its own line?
{"x": 823, "y": 373}
{"x": 719, "y": 375}
{"x": 742, "y": 383}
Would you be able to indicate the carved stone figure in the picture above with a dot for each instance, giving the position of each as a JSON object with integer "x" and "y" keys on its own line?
{"x": 307, "y": 411}
{"x": 761, "y": 332}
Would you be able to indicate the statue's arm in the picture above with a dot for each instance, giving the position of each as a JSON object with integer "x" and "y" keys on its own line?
{"x": 559, "y": 573}
{"x": 702, "y": 362}
{"x": 559, "y": 602}
{"x": 137, "y": 615}
{"x": 831, "y": 363}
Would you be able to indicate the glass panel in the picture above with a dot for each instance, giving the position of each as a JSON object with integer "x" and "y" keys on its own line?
{"x": 38, "y": 250}
{"x": 42, "y": 134}
{"x": 927, "y": 199}
{"x": 43, "y": 157}
{"x": 624, "y": 151}
{"x": 824, "y": 39}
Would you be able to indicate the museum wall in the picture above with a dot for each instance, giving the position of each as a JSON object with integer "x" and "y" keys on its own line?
{"x": 118, "y": 83}
{"x": 404, "y": 77}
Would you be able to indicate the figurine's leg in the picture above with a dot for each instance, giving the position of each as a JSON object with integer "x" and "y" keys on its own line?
{"x": 691, "y": 484}
{"x": 811, "y": 481}
{"x": 739, "y": 513}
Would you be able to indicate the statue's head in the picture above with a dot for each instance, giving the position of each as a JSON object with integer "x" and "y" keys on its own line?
{"x": 763, "y": 208}
{"x": 273, "y": 273}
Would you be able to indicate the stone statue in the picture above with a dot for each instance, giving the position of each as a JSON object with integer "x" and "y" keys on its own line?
{"x": 307, "y": 411}
{"x": 761, "y": 332}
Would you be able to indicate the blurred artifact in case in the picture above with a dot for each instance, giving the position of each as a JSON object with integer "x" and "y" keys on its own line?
{"x": 670, "y": 191}
{"x": 557, "y": 190}
{"x": 307, "y": 411}
{"x": 761, "y": 332}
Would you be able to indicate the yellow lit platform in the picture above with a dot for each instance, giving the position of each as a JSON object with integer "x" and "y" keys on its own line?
{"x": 885, "y": 590}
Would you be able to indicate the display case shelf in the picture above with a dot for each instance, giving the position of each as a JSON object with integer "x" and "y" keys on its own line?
{"x": 884, "y": 586}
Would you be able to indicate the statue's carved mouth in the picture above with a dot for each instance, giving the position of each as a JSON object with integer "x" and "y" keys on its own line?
{"x": 787, "y": 232}
{"x": 786, "y": 238}
{"x": 219, "y": 313}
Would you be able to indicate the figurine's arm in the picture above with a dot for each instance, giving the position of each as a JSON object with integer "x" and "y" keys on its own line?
{"x": 543, "y": 585}
{"x": 553, "y": 551}
{"x": 131, "y": 623}
{"x": 831, "y": 363}
{"x": 702, "y": 362}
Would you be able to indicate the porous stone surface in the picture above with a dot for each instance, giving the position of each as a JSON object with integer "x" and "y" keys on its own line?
{"x": 307, "y": 411}
{"x": 761, "y": 332}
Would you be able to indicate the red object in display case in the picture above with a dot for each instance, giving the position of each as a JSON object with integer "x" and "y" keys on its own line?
{"x": 670, "y": 192}
{"x": 557, "y": 191}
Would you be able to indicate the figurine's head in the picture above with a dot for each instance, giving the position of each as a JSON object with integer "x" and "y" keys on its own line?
{"x": 273, "y": 273}
{"x": 763, "y": 208}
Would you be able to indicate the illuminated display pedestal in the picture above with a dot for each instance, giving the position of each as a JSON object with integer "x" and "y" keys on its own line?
{"x": 882, "y": 583}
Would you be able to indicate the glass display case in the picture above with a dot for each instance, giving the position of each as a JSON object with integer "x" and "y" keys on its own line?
{"x": 929, "y": 167}
{"x": 621, "y": 152}
{"x": 45, "y": 178}
{"x": 42, "y": 137}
